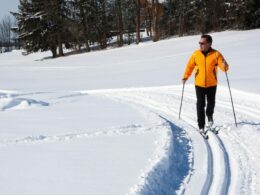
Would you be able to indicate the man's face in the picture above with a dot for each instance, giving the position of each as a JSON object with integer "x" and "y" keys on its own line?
{"x": 204, "y": 45}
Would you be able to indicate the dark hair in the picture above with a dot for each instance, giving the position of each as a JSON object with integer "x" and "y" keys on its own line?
{"x": 207, "y": 37}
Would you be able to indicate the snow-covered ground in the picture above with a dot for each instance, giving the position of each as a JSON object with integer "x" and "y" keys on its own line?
{"x": 107, "y": 122}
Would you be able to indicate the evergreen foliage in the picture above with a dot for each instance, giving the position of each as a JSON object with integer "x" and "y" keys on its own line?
{"x": 53, "y": 24}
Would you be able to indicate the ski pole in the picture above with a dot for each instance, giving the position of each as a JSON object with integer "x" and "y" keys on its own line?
{"x": 231, "y": 99}
{"x": 181, "y": 99}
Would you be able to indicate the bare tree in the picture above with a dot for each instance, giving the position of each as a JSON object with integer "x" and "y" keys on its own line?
{"x": 83, "y": 6}
{"x": 138, "y": 16}
{"x": 157, "y": 12}
{"x": 5, "y": 32}
{"x": 120, "y": 25}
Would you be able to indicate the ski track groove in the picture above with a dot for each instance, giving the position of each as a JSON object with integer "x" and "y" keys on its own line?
{"x": 227, "y": 180}
{"x": 209, "y": 182}
{"x": 209, "y": 179}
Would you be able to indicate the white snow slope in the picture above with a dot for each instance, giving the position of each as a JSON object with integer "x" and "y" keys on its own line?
{"x": 107, "y": 122}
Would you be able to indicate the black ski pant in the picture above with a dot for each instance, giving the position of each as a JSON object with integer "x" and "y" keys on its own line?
{"x": 201, "y": 94}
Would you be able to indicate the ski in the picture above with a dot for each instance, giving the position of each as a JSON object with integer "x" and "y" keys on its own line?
{"x": 213, "y": 129}
{"x": 204, "y": 134}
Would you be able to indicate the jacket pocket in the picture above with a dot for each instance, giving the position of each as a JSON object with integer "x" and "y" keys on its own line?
{"x": 197, "y": 72}
{"x": 215, "y": 74}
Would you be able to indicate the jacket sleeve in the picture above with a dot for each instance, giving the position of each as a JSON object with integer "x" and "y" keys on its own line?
{"x": 189, "y": 67}
{"x": 221, "y": 62}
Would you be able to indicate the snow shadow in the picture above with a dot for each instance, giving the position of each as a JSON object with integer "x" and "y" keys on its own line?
{"x": 248, "y": 123}
{"x": 3, "y": 95}
{"x": 23, "y": 103}
{"x": 13, "y": 95}
{"x": 44, "y": 58}
{"x": 72, "y": 95}
{"x": 169, "y": 177}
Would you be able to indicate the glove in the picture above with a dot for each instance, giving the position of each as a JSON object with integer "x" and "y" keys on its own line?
{"x": 225, "y": 65}
{"x": 184, "y": 80}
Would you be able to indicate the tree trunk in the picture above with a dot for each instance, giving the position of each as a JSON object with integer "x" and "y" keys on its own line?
{"x": 120, "y": 23}
{"x": 155, "y": 21}
{"x": 171, "y": 29}
{"x": 138, "y": 22}
{"x": 60, "y": 45}
{"x": 54, "y": 51}
{"x": 84, "y": 25}
{"x": 148, "y": 18}
{"x": 104, "y": 25}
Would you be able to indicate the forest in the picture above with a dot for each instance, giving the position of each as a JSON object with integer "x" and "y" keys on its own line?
{"x": 84, "y": 25}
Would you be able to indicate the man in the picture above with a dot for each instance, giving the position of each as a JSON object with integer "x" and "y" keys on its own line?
{"x": 206, "y": 61}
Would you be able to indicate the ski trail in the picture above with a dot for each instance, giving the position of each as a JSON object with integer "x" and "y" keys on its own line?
{"x": 209, "y": 179}
{"x": 226, "y": 182}
{"x": 243, "y": 175}
{"x": 170, "y": 179}
{"x": 218, "y": 176}
{"x": 162, "y": 110}
{"x": 244, "y": 162}
{"x": 222, "y": 165}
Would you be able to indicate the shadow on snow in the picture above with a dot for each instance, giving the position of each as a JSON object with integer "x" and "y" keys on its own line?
{"x": 167, "y": 178}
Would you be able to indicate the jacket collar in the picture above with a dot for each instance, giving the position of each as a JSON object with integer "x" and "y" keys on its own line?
{"x": 205, "y": 53}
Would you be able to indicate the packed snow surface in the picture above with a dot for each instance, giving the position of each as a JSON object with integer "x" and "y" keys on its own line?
{"x": 107, "y": 122}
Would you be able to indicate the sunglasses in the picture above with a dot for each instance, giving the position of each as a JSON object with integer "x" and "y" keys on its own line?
{"x": 202, "y": 43}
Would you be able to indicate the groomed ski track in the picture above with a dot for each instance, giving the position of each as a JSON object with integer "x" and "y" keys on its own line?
{"x": 208, "y": 165}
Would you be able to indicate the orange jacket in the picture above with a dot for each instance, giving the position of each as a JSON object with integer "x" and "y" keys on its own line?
{"x": 206, "y": 67}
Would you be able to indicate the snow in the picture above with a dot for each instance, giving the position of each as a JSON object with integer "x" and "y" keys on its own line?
{"x": 106, "y": 122}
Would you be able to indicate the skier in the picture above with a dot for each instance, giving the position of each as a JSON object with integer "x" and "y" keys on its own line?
{"x": 206, "y": 61}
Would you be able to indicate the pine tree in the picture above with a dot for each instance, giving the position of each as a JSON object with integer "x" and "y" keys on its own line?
{"x": 42, "y": 25}
{"x": 252, "y": 14}
{"x": 31, "y": 28}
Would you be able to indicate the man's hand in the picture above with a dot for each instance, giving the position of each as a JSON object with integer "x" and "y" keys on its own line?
{"x": 184, "y": 80}
{"x": 225, "y": 65}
